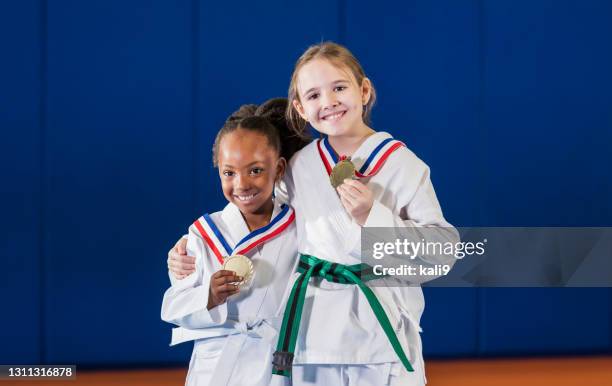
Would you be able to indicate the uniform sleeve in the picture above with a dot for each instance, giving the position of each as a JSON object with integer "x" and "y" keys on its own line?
{"x": 414, "y": 213}
{"x": 185, "y": 302}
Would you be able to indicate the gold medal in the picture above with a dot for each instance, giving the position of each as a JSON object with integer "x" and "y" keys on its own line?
{"x": 343, "y": 170}
{"x": 240, "y": 264}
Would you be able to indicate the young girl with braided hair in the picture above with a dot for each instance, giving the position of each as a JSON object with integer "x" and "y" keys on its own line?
{"x": 244, "y": 256}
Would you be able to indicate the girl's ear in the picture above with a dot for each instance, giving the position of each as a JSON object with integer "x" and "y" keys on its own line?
{"x": 366, "y": 91}
{"x": 299, "y": 108}
{"x": 281, "y": 166}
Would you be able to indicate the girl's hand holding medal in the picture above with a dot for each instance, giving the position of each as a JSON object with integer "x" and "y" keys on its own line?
{"x": 357, "y": 199}
{"x": 223, "y": 284}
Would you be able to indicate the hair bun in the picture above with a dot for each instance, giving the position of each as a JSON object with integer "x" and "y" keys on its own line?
{"x": 273, "y": 109}
{"x": 244, "y": 111}
{"x": 267, "y": 119}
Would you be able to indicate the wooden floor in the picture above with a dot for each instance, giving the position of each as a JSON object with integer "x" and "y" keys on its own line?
{"x": 594, "y": 371}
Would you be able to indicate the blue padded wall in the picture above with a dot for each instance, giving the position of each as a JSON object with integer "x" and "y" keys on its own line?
{"x": 547, "y": 92}
{"x": 545, "y": 321}
{"x": 118, "y": 175}
{"x": 109, "y": 112}
{"x": 20, "y": 190}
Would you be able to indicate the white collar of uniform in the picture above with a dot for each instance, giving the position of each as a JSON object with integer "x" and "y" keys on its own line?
{"x": 235, "y": 227}
{"x": 367, "y": 147}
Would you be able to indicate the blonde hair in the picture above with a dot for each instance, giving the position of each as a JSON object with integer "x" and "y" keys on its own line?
{"x": 337, "y": 55}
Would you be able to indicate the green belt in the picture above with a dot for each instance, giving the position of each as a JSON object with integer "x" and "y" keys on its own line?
{"x": 311, "y": 266}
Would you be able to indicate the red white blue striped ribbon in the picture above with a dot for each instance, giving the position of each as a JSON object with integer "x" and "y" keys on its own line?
{"x": 372, "y": 164}
{"x": 221, "y": 248}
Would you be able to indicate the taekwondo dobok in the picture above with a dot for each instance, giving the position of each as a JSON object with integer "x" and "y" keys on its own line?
{"x": 336, "y": 323}
{"x": 233, "y": 341}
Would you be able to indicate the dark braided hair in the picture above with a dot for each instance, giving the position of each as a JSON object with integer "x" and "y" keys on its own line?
{"x": 267, "y": 119}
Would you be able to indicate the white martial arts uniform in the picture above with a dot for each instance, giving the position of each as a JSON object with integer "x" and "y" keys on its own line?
{"x": 338, "y": 327}
{"x": 233, "y": 341}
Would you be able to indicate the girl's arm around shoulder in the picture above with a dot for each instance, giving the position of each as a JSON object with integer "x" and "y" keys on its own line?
{"x": 185, "y": 302}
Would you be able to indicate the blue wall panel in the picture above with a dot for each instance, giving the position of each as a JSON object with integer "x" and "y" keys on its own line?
{"x": 424, "y": 62}
{"x": 548, "y": 89}
{"x": 450, "y": 322}
{"x": 119, "y": 170}
{"x": 20, "y": 195}
{"x": 545, "y": 321}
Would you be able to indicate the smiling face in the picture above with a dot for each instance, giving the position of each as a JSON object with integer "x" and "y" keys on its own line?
{"x": 330, "y": 98}
{"x": 248, "y": 168}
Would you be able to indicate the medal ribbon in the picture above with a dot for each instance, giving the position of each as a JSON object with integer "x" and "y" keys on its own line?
{"x": 220, "y": 247}
{"x": 370, "y": 167}
{"x": 311, "y": 266}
